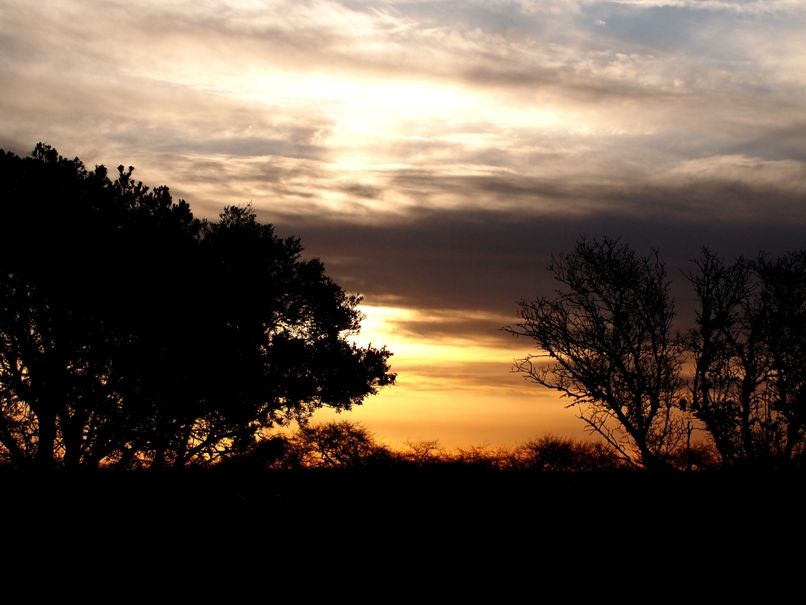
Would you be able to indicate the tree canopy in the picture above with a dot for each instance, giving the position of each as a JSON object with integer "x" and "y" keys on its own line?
{"x": 134, "y": 334}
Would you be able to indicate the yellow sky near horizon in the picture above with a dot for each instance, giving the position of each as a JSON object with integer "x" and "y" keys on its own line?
{"x": 459, "y": 391}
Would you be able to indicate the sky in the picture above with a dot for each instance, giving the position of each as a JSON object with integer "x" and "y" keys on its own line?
{"x": 435, "y": 154}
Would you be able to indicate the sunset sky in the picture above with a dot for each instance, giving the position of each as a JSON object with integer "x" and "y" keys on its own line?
{"x": 435, "y": 154}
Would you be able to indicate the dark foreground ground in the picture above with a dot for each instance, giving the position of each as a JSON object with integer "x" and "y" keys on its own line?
{"x": 439, "y": 521}
{"x": 389, "y": 500}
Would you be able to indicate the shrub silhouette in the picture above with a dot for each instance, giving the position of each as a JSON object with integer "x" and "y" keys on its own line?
{"x": 564, "y": 455}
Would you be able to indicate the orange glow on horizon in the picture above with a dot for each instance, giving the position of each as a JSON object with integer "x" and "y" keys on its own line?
{"x": 458, "y": 390}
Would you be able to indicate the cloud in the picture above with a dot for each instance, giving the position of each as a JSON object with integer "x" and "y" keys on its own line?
{"x": 475, "y": 264}
{"x": 333, "y": 60}
{"x": 502, "y": 45}
{"x": 361, "y": 116}
{"x": 742, "y": 6}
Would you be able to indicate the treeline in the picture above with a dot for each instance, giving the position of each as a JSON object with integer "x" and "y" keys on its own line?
{"x": 349, "y": 445}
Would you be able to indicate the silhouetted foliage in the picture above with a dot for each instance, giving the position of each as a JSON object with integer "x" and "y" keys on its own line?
{"x": 275, "y": 452}
{"x": 749, "y": 348}
{"x": 423, "y": 452}
{"x": 133, "y": 334}
{"x": 338, "y": 445}
{"x": 557, "y": 454}
{"x": 606, "y": 342}
{"x": 478, "y": 457}
{"x": 701, "y": 456}
{"x": 349, "y": 445}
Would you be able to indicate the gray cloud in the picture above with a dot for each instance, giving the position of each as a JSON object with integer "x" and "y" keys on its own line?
{"x": 739, "y": 6}
{"x": 497, "y": 44}
{"x": 476, "y": 260}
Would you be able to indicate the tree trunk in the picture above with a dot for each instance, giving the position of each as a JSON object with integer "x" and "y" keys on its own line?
{"x": 18, "y": 456}
{"x": 71, "y": 435}
{"x": 46, "y": 440}
{"x": 651, "y": 461}
{"x": 745, "y": 419}
{"x": 158, "y": 463}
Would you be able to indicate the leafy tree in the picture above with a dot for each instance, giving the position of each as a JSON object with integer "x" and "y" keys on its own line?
{"x": 555, "y": 454}
{"x": 133, "y": 334}
{"x": 749, "y": 348}
{"x": 606, "y": 343}
{"x": 341, "y": 444}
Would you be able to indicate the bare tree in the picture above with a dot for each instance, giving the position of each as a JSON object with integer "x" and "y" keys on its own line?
{"x": 606, "y": 342}
{"x": 424, "y": 452}
{"x": 749, "y": 347}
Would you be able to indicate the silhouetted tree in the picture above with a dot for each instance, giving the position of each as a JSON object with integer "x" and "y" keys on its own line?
{"x": 424, "y": 452}
{"x": 478, "y": 457}
{"x": 749, "y": 348}
{"x": 606, "y": 342}
{"x": 277, "y": 451}
{"x": 336, "y": 444}
{"x": 555, "y": 454}
{"x": 133, "y": 334}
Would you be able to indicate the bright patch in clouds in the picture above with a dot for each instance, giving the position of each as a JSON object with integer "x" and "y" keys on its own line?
{"x": 389, "y": 325}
